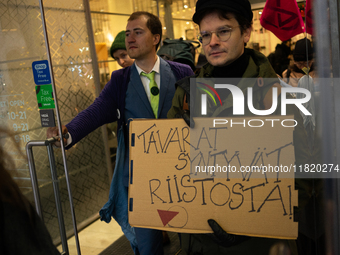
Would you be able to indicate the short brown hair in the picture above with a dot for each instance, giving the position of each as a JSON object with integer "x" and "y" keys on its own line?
{"x": 153, "y": 23}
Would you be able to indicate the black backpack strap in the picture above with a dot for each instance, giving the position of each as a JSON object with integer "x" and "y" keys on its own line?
{"x": 121, "y": 82}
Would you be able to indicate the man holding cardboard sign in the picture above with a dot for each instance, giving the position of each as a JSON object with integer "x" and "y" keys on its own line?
{"x": 131, "y": 93}
{"x": 225, "y": 27}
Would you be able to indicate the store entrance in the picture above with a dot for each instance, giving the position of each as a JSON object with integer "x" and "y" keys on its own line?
{"x": 24, "y": 43}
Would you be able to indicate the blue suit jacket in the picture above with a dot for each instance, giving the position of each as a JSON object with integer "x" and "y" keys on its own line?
{"x": 122, "y": 98}
{"x": 137, "y": 104}
{"x": 110, "y": 106}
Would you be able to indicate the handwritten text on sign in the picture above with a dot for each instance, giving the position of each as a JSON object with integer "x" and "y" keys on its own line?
{"x": 180, "y": 178}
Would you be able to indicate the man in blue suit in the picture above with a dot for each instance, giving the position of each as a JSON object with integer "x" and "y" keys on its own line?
{"x": 126, "y": 96}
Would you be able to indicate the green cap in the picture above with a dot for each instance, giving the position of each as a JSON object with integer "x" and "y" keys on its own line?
{"x": 118, "y": 43}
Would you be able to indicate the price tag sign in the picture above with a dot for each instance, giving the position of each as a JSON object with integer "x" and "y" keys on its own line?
{"x": 41, "y": 72}
{"x": 45, "y": 96}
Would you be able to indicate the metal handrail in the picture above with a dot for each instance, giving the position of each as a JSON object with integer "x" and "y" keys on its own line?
{"x": 55, "y": 182}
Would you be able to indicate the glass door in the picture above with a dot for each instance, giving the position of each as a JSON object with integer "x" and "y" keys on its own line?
{"x": 22, "y": 43}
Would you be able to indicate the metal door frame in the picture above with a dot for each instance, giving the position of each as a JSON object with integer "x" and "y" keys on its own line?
{"x": 59, "y": 125}
{"x": 326, "y": 20}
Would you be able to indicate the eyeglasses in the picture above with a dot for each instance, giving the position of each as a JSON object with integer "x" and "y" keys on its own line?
{"x": 222, "y": 33}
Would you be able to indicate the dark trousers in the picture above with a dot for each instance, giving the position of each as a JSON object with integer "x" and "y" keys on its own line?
{"x": 150, "y": 241}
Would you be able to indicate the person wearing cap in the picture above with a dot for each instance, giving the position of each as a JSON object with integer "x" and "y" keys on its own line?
{"x": 118, "y": 51}
{"x": 225, "y": 27}
{"x": 142, "y": 90}
{"x": 303, "y": 63}
{"x": 280, "y": 58}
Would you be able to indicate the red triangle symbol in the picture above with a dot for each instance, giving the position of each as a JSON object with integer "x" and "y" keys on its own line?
{"x": 166, "y": 216}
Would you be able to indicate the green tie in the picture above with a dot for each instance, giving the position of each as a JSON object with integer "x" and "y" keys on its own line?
{"x": 154, "y": 91}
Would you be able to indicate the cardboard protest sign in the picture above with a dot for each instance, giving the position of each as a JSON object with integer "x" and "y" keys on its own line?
{"x": 237, "y": 174}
